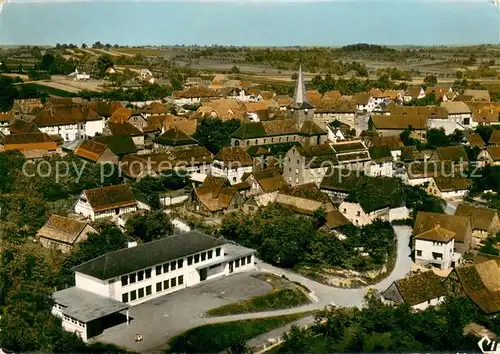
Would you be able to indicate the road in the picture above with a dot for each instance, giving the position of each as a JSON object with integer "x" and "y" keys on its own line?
{"x": 327, "y": 295}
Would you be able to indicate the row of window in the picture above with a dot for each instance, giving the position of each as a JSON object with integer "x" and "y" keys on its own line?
{"x": 137, "y": 294}
{"x": 139, "y": 276}
{"x": 74, "y": 321}
{"x": 147, "y": 291}
{"x": 242, "y": 261}
{"x": 178, "y": 264}
{"x": 169, "y": 283}
{"x": 170, "y": 266}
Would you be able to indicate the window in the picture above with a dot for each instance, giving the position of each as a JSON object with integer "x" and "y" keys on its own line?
{"x": 172, "y": 265}
{"x": 124, "y": 280}
{"x": 132, "y": 278}
{"x": 190, "y": 260}
{"x": 165, "y": 284}
{"x": 125, "y": 297}
{"x": 234, "y": 179}
{"x": 140, "y": 275}
{"x": 345, "y": 210}
{"x": 165, "y": 268}
{"x": 180, "y": 279}
{"x": 173, "y": 282}
{"x": 243, "y": 261}
{"x": 158, "y": 287}
{"x": 148, "y": 290}
{"x": 237, "y": 263}
{"x": 203, "y": 256}
{"x": 148, "y": 273}
{"x": 133, "y": 295}
{"x": 141, "y": 293}
{"x": 210, "y": 254}
{"x": 196, "y": 258}
{"x": 419, "y": 252}
{"x": 249, "y": 259}
{"x": 358, "y": 213}
{"x": 158, "y": 270}
{"x": 217, "y": 252}
{"x": 180, "y": 263}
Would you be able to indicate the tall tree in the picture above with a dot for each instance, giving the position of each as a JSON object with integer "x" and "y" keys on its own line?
{"x": 214, "y": 134}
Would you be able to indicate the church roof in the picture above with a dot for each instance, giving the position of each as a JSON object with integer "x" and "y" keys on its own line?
{"x": 300, "y": 95}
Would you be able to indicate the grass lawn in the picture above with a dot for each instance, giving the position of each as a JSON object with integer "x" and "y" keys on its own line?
{"x": 279, "y": 299}
{"x": 217, "y": 337}
{"x": 285, "y": 294}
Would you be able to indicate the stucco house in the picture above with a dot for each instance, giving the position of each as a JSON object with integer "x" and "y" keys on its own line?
{"x": 232, "y": 163}
{"x": 460, "y": 225}
{"x": 435, "y": 247}
{"x": 106, "y": 202}
{"x": 459, "y": 112}
{"x": 62, "y": 233}
{"x": 413, "y": 93}
{"x": 70, "y": 122}
{"x": 418, "y": 291}
{"x": 448, "y": 187}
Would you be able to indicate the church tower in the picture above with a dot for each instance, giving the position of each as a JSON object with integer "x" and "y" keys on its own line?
{"x": 301, "y": 109}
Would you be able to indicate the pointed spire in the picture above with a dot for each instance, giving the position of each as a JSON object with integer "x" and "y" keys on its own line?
{"x": 300, "y": 96}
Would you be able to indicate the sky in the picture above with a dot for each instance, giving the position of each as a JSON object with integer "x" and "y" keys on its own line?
{"x": 250, "y": 22}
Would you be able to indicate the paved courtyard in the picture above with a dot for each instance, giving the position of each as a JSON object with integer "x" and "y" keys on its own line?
{"x": 160, "y": 319}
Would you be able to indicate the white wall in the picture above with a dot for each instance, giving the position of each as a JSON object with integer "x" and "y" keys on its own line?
{"x": 426, "y": 304}
{"x": 355, "y": 214}
{"x": 189, "y": 272}
{"x": 233, "y": 174}
{"x": 399, "y": 213}
{"x": 428, "y": 247}
{"x": 376, "y": 169}
{"x": 91, "y": 284}
{"x": 71, "y": 324}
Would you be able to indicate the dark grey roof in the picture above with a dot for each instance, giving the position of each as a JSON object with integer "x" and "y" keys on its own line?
{"x": 146, "y": 255}
{"x": 86, "y": 306}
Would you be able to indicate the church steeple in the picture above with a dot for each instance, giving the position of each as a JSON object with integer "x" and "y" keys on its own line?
{"x": 300, "y": 94}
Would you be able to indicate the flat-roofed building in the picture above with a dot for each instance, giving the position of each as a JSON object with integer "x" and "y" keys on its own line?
{"x": 128, "y": 277}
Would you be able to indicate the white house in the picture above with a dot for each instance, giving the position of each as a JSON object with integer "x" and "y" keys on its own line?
{"x": 365, "y": 103}
{"x": 380, "y": 168}
{"x": 71, "y": 122}
{"x": 436, "y": 247}
{"x": 115, "y": 281}
{"x": 448, "y": 187}
{"x": 232, "y": 163}
{"x": 418, "y": 291}
{"x": 106, "y": 202}
{"x": 413, "y": 93}
{"x": 460, "y": 113}
{"x": 360, "y": 216}
{"x": 79, "y": 76}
